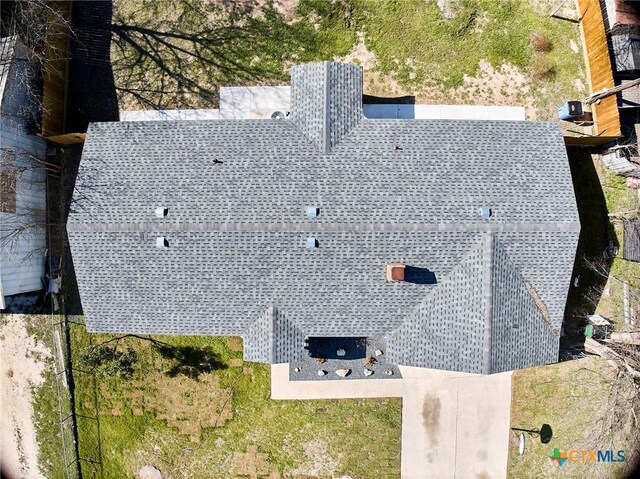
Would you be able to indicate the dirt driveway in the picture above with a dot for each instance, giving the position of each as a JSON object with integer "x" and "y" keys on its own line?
{"x": 22, "y": 363}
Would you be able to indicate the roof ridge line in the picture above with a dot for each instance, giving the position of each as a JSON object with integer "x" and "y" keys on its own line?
{"x": 442, "y": 227}
{"x": 326, "y": 133}
{"x": 431, "y": 291}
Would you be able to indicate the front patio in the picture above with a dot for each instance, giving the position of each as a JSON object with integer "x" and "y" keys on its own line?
{"x": 341, "y": 358}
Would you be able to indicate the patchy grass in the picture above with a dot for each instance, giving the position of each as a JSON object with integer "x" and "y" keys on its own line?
{"x": 578, "y": 399}
{"x": 45, "y": 404}
{"x": 409, "y": 47}
{"x": 417, "y": 46}
{"x": 222, "y": 421}
{"x": 620, "y": 198}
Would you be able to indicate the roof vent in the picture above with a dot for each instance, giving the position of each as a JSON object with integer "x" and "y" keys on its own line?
{"x": 313, "y": 212}
{"x": 312, "y": 243}
{"x": 162, "y": 212}
{"x": 486, "y": 212}
{"x": 162, "y": 242}
{"x": 395, "y": 272}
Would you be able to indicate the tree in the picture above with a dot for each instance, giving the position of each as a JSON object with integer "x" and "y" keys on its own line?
{"x": 618, "y": 351}
{"x": 174, "y": 54}
{"x": 41, "y": 31}
{"x": 109, "y": 361}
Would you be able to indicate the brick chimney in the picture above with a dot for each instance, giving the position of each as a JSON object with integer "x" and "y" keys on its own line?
{"x": 395, "y": 272}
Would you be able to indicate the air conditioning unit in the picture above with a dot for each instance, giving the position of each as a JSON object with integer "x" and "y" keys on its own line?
{"x": 570, "y": 110}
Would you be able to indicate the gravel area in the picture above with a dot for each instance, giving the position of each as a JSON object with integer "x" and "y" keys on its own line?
{"x": 22, "y": 365}
{"x": 356, "y": 350}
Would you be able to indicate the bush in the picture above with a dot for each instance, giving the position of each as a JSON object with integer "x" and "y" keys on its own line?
{"x": 540, "y": 42}
{"x": 369, "y": 361}
{"x": 109, "y": 361}
{"x": 542, "y": 68}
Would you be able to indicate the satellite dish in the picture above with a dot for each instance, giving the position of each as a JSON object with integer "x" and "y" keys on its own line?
{"x": 277, "y": 115}
{"x": 521, "y": 447}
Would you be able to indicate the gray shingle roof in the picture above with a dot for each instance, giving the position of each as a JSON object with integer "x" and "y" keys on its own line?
{"x": 326, "y": 101}
{"x": 483, "y": 317}
{"x": 237, "y": 228}
{"x": 273, "y": 339}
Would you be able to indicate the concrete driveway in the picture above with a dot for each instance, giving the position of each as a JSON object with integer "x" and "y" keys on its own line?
{"x": 454, "y": 425}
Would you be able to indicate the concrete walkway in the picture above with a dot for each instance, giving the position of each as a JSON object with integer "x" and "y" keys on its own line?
{"x": 454, "y": 425}
{"x": 282, "y": 388}
{"x": 260, "y": 102}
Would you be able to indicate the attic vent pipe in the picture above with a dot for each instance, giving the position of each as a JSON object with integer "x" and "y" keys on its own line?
{"x": 162, "y": 212}
{"x": 312, "y": 212}
{"x": 486, "y": 212}
{"x": 312, "y": 243}
{"x": 162, "y": 242}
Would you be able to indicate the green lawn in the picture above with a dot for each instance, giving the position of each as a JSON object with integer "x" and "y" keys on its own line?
{"x": 409, "y": 47}
{"x": 154, "y": 418}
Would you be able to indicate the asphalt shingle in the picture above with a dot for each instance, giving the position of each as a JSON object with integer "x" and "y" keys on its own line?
{"x": 408, "y": 191}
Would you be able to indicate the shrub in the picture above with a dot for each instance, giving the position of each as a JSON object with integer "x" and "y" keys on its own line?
{"x": 540, "y": 42}
{"x": 369, "y": 361}
{"x": 109, "y": 361}
{"x": 320, "y": 360}
{"x": 542, "y": 68}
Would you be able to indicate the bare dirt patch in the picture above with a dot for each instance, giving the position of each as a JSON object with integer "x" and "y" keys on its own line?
{"x": 286, "y": 8}
{"x": 360, "y": 55}
{"x": 319, "y": 462}
{"x": 447, "y": 8}
{"x": 22, "y": 362}
{"x": 505, "y": 85}
{"x": 375, "y": 82}
{"x": 251, "y": 463}
{"x": 235, "y": 343}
